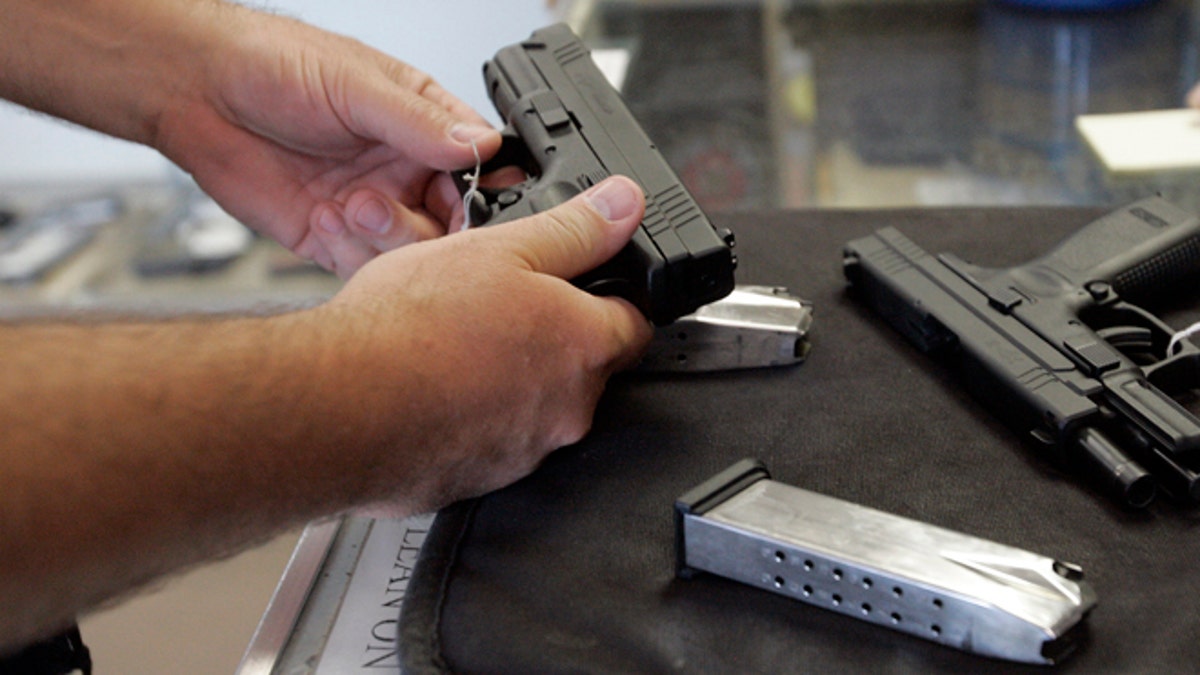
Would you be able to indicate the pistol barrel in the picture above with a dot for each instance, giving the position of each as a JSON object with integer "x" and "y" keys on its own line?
{"x": 1119, "y": 475}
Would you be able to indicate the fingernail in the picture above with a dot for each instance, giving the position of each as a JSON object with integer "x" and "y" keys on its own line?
{"x": 373, "y": 215}
{"x": 614, "y": 199}
{"x": 330, "y": 221}
{"x": 465, "y": 133}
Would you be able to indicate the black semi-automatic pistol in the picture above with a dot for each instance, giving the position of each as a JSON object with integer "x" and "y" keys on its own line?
{"x": 1058, "y": 348}
{"x": 568, "y": 129}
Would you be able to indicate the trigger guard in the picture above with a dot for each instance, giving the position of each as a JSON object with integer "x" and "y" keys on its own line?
{"x": 479, "y": 210}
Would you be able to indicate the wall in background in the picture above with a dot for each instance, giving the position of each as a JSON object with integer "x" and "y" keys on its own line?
{"x": 449, "y": 39}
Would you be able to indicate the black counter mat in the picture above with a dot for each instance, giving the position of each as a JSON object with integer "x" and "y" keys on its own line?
{"x": 572, "y": 569}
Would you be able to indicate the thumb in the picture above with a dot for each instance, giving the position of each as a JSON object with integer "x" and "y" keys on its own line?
{"x": 578, "y": 235}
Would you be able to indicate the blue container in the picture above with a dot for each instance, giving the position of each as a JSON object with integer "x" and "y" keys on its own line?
{"x": 1076, "y": 5}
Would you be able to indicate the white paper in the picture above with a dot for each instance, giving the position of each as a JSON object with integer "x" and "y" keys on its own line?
{"x": 363, "y": 638}
{"x": 1143, "y": 142}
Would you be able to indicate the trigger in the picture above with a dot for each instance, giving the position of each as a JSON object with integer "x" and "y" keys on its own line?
{"x": 480, "y": 211}
{"x": 1128, "y": 339}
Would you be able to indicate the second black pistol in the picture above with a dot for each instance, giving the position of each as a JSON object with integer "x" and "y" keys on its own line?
{"x": 1057, "y": 346}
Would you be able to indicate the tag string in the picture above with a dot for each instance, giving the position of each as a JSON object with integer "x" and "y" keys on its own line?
{"x": 473, "y": 183}
{"x": 1182, "y": 335}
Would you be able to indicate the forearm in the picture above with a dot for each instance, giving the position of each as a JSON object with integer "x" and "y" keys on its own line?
{"x": 112, "y": 65}
{"x": 133, "y": 450}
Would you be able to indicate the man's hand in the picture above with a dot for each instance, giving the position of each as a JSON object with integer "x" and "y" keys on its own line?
{"x": 511, "y": 358}
{"x": 334, "y": 149}
{"x": 441, "y": 371}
